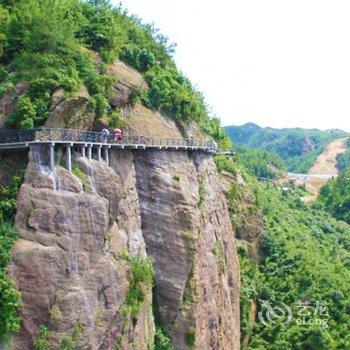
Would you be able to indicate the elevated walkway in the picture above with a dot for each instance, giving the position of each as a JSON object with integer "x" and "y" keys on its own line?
{"x": 86, "y": 141}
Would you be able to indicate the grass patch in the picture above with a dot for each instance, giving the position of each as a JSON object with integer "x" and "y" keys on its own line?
{"x": 190, "y": 338}
{"x": 201, "y": 190}
{"x": 141, "y": 277}
{"x": 162, "y": 339}
{"x": 81, "y": 176}
{"x": 218, "y": 251}
{"x": 42, "y": 341}
{"x": 69, "y": 342}
{"x": 177, "y": 177}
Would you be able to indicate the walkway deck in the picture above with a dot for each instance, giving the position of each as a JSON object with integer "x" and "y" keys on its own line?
{"x": 25, "y": 138}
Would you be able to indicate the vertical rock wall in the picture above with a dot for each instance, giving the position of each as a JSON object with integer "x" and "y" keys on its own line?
{"x": 67, "y": 263}
{"x": 187, "y": 229}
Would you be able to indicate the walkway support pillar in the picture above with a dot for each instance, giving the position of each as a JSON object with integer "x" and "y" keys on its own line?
{"x": 106, "y": 154}
{"x": 99, "y": 153}
{"x": 69, "y": 157}
{"x": 89, "y": 151}
{"x": 83, "y": 151}
{"x": 52, "y": 157}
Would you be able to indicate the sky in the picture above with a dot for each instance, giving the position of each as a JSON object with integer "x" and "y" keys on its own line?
{"x": 278, "y": 63}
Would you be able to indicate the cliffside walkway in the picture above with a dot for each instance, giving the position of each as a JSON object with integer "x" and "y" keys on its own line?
{"x": 87, "y": 141}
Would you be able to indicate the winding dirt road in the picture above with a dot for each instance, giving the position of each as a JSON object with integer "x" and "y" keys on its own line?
{"x": 326, "y": 164}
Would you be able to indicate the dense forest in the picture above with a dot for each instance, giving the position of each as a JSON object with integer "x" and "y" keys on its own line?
{"x": 52, "y": 44}
{"x": 298, "y": 147}
{"x": 303, "y": 261}
{"x": 335, "y": 196}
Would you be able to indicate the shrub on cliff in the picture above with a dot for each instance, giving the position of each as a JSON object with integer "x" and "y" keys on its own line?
{"x": 9, "y": 296}
{"x": 141, "y": 278}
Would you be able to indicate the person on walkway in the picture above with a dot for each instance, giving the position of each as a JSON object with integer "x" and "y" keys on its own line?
{"x": 105, "y": 135}
{"x": 118, "y": 135}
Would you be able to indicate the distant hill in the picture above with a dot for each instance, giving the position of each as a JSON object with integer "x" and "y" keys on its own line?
{"x": 298, "y": 147}
{"x": 344, "y": 159}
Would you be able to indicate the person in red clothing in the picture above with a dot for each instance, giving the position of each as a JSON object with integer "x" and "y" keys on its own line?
{"x": 118, "y": 135}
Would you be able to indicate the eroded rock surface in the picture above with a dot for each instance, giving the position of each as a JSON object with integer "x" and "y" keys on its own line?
{"x": 67, "y": 263}
{"x": 8, "y": 103}
{"x": 169, "y": 205}
{"x": 127, "y": 80}
{"x": 70, "y": 112}
{"x": 188, "y": 234}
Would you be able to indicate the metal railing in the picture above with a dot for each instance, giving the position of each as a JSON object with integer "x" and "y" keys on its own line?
{"x": 77, "y": 136}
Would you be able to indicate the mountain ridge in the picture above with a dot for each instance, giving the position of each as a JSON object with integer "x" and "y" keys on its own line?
{"x": 297, "y": 146}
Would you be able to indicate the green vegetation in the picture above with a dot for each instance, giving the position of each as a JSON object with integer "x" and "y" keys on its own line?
{"x": 335, "y": 196}
{"x": 305, "y": 257}
{"x": 80, "y": 175}
{"x": 162, "y": 340}
{"x": 190, "y": 338}
{"x": 344, "y": 159}
{"x": 69, "y": 342}
{"x": 218, "y": 251}
{"x": 9, "y": 296}
{"x": 141, "y": 278}
{"x": 298, "y": 147}
{"x": 177, "y": 177}
{"x": 42, "y": 341}
{"x": 261, "y": 163}
{"x": 52, "y": 44}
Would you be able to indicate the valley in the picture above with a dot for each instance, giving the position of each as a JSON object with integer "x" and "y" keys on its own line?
{"x": 324, "y": 169}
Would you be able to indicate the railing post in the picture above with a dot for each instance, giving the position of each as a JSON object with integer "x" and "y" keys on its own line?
{"x": 99, "y": 152}
{"x": 69, "y": 157}
{"x": 89, "y": 151}
{"x": 52, "y": 157}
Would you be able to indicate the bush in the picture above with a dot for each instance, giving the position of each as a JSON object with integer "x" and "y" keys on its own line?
{"x": 42, "y": 342}
{"x": 9, "y": 296}
{"x": 141, "y": 277}
{"x": 190, "y": 338}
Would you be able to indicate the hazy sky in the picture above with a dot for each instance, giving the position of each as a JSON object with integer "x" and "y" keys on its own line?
{"x": 273, "y": 62}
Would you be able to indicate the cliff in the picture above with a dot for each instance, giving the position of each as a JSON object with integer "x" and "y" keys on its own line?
{"x": 86, "y": 238}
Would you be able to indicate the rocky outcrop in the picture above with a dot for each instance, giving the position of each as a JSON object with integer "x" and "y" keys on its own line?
{"x": 307, "y": 145}
{"x": 75, "y": 230}
{"x": 8, "y": 103}
{"x": 127, "y": 80}
{"x": 67, "y": 263}
{"x": 70, "y": 112}
{"x": 188, "y": 234}
{"x": 140, "y": 120}
{"x": 248, "y": 219}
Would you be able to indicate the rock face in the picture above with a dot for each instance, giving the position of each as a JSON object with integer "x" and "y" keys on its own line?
{"x": 188, "y": 234}
{"x": 8, "y": 103}
{"x": 248, "y": 218}
{"x": 70, "y": 112}
{"x": 140, "y": 120}
{"x": 75, "y": 230}
{"x": 307, "y": 145}
{"x": 127, "y": 80}
{"x": 67, "y": 263}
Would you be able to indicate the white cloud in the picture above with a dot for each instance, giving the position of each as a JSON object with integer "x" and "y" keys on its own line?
{"x": 274, "y": 62}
